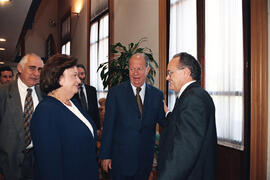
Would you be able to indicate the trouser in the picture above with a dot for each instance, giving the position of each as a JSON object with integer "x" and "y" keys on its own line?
{"x": 28, "y": 165}
{"x": 142, "y": 175}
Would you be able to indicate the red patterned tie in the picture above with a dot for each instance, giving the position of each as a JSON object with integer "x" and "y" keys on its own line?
{"x": 28, "y": 111}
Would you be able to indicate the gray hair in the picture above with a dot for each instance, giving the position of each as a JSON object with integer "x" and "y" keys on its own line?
{"x": 24, "y": 60}
{"x": 144, "y": 56}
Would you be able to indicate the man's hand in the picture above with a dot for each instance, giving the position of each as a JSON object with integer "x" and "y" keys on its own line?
{"x": 106, "y": 164}
{"x": 166, "y": 109}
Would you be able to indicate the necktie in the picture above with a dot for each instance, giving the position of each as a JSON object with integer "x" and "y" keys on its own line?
{"x": 139, "y": 100}
{"x": 28, "y": 111}
{"x": 83, "y": 99}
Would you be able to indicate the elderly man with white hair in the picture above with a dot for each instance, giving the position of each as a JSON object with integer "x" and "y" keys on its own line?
{"x": 18, "y": 100}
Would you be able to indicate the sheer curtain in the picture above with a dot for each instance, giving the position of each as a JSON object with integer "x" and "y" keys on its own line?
{"x": 183, "y": 33}
{"x": 224, "y": 67}
{"x": 99, "y": 47}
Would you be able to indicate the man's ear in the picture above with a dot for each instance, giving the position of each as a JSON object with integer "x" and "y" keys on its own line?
{"x": 19, "y": 68}
{"x": 187, "y": 71}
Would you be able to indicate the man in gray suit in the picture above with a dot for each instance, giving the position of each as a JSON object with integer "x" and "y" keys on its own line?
{"x": 16, "y": 154}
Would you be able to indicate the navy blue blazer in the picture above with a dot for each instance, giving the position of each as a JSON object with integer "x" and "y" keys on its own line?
{"x": 64, "y": 147}
{"x": 127, "y": 139}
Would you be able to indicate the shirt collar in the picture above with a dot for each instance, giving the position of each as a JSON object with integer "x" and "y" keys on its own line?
{"x": 23, "y": 86}
{"x": 134, "y": 88}
{"x": 184, "y": 87}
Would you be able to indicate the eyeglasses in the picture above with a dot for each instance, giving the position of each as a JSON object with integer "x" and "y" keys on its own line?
{"x": 169, "y": 73}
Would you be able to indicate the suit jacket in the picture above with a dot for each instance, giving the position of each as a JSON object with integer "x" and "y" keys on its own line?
{"x": 188, "y": 142}
{"x": 12, "y": 143}
{"x": 93, "y": 112}
{"x": 64, "y": 147}
{"x": 127, "y": 139}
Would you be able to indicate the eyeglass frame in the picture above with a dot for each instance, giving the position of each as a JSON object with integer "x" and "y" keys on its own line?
{"x": 169, "y": 73}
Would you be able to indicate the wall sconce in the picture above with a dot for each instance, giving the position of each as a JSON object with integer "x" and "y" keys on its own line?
{"x": 76, "y": 14}
{"x": 77, "y": 7}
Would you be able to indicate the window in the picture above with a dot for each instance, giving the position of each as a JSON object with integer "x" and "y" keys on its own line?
{"x": 224, "y": 67}
{"x": 99, "y": 48}
{"x": 223, "y": 54}
{"x": 65, "y": 34}
{"x": 66, "y": 48}
{"x": 183, "y": 33}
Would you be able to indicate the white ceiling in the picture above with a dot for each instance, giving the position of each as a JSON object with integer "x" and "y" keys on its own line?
{"x": 12, "y": 17}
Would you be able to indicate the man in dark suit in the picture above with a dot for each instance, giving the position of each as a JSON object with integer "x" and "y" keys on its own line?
{"x": 87, "y": 96}
{"x": 16, "y": 154}
{"x": 132, "y": 110}
{"x": 188, "y": 142}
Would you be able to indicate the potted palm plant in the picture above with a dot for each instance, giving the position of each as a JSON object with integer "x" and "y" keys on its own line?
{"x": 116, "y": 71}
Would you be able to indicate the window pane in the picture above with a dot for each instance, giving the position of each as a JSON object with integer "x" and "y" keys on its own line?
{"x": 68, "y": 48}
{"x": 99, "y": 46}
{"x": 63, "y": 49}
{"x": 104, "y": 27}
{"x": 103, "y": 57}
{"x": 93, "y": 64}
{"x": 224, "y": 67}
{"x": 94, "y": 33}
{"x": 183, "y": 32}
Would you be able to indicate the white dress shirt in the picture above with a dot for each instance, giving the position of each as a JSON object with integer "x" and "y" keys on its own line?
{"x": 23, "y": 92}
{"x": 142, "y": 92}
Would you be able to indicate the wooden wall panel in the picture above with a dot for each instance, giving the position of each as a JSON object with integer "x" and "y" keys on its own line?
{"x": 259, "y": 90}
{"x": 162, "y": 45}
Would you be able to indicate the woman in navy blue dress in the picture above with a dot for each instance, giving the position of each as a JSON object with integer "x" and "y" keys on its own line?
{"x": 64, "y": 137}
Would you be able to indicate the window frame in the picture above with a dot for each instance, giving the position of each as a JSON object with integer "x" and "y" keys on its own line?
{"x": 67, "y": 37}
{"x": 201, "y": 56}
{"x": 97, "y": 19}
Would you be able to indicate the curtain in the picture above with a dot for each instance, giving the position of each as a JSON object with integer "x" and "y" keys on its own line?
{"x": 99, "y": 47}
{"x": 183, "y": 33}
{"x": 224, "y": 67}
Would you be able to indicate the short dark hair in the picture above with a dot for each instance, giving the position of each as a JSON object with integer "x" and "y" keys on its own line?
{"x": 5, "y": 68}
{"x": 191, "y": 63}
{"x": 81, "y": 66}
{"x": 53, "y": 69}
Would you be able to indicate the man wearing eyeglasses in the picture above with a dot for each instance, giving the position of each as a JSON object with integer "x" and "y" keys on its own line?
{"x": 188, "y": 142}
{"x": 132, "y": 110}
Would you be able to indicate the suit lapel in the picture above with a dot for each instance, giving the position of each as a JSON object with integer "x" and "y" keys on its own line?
{"x": 38, "y": 92}
{"x": 194, "y": 84}
{"x": 147, "y": 98}
{"x": 15, "y": 101}
{"x": 131, "y": 97}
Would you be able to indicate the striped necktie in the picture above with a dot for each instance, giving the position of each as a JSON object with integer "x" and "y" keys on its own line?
{"x": 83, "y": 99}
{"x": 28, "y": 111}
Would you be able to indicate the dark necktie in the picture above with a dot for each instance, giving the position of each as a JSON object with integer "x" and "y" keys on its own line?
{"x": 28, "y": 111}
{"x": 82, "y": 99}
{"x": 139, "y": 100}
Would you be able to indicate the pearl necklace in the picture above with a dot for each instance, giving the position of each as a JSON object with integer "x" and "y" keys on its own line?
{"x": 60, "y": 98}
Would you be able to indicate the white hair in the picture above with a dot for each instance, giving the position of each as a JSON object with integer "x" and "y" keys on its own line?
{"x": 24, "y": 60}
